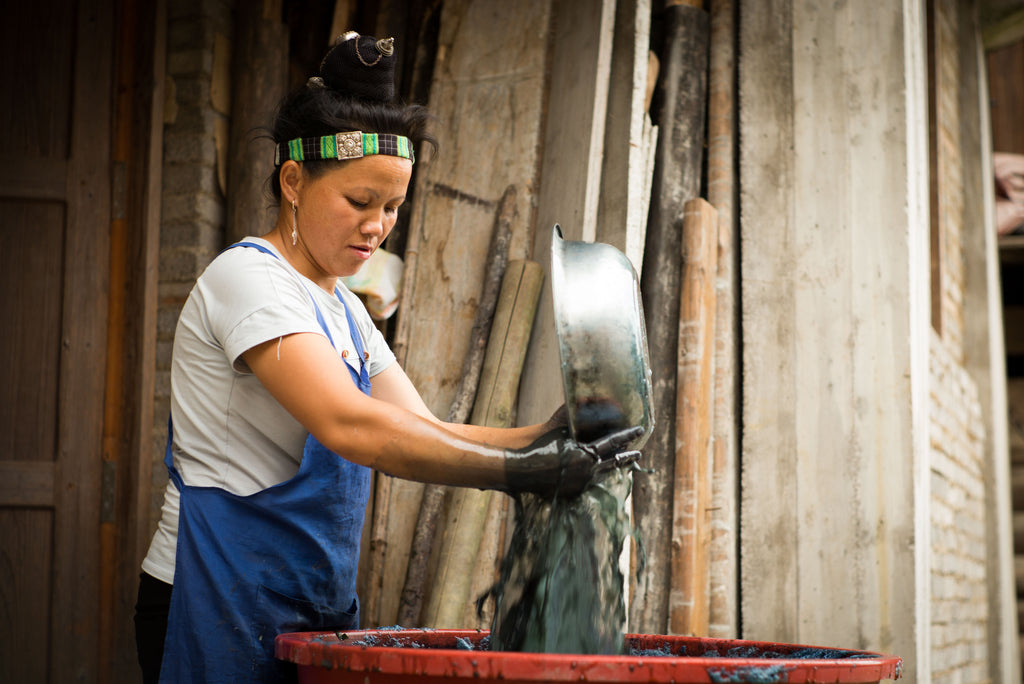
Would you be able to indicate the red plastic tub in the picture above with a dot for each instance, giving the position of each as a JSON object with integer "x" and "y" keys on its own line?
{"x": 402, "y": 656}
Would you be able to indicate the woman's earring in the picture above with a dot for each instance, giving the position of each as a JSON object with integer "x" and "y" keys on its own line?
{"x": 295, "y": 223}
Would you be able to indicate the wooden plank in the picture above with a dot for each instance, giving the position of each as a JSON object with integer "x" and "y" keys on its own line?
{"x": 434, "y": 495}
{"x": 26, "y": 483}
{"x": 79, "y": 432}
{"x": 691, "y": 528}
{"x": 486, "y": 568}
{"x": 128, "y": 455}
{"x": 681, "y": 114}
{"x": 261, "y": 45}
{"x": 461, "y": 187}
{"x": 723, "y": 618}
{"x": 622, "y": 208}
{"x": 819, "y": 428}
{"x": 573, "y": 143}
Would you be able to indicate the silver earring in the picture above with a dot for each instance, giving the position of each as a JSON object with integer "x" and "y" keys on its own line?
{"x": 295, "y": 223}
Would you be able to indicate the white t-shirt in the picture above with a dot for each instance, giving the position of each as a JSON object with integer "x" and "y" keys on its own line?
{"x": 229, "y": 432}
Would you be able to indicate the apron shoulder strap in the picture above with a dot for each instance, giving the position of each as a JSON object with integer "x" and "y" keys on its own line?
{"x": 357, "y": 338}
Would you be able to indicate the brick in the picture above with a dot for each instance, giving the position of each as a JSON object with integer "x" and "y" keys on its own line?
{"x": 164, "y": 348}
{"x": 193, "y": 208}
{"x": 189, "y": 147}
{"x": 190, "y": 234}
{"x": 181, "y": 179}
{"x": 192, "y": 91}
{"x": 195, "y": 61}
{"x": 167, "y": 321}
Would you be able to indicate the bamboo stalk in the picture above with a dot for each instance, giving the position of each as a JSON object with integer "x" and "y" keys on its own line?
{"x": 486, "y": 567}
{"x": 411, "y": 602}
{"x": 688, "y": 612}
{"x": 468, "y": 512}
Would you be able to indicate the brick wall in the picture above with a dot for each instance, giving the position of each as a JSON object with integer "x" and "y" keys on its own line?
{"x": 959, "y": 593}
{"x": 193, "y": 195}
{"x": 957, "y": 563}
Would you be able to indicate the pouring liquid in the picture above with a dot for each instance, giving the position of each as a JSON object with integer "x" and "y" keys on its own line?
{"x": 561, "y": 588}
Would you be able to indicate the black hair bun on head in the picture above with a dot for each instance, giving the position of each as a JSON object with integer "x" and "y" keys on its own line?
{"x": 361, "y": 66}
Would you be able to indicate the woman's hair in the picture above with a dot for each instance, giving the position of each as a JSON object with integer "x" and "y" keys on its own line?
{"x": 349, "y": 94}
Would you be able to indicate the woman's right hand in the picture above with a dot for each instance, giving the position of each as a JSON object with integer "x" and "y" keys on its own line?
{"x": 557, "y": 465}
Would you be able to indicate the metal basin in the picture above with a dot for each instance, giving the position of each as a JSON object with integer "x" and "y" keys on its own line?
{"x": 602, "y": 340}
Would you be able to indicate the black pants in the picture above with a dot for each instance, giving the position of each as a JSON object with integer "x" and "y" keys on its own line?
{"x": 151, "y": 611}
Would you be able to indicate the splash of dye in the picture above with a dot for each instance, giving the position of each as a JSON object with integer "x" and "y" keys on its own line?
{"x": 561, "y": 589}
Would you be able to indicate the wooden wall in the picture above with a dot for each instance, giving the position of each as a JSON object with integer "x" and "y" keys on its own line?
{"x": 834, "y": 249}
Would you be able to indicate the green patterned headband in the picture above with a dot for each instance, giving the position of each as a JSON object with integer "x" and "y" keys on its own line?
{"x": 352, "y": 145}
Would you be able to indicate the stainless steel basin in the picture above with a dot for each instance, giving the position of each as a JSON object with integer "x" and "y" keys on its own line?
{"x": 602, "y": 341}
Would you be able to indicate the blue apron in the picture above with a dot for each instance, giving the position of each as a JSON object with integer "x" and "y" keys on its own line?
{"x": 251, "y": 567}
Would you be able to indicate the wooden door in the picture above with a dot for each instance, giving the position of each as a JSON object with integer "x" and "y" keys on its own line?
{"x": 55, "y": 74}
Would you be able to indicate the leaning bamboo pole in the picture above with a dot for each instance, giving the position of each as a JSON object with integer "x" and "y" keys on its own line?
{"x": 688, "y": 612}
{"x": 463, "y": 540}
{"x": 414, "y": 591}
{"x": 722, "y": 190}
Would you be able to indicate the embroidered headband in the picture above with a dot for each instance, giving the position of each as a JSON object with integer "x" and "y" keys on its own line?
{"x": 340, "y": 146}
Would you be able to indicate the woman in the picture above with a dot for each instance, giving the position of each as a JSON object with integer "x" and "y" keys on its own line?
{"x": 284, "y": 396}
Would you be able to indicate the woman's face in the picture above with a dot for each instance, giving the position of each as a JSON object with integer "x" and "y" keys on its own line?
{"x": 344, "y": 214}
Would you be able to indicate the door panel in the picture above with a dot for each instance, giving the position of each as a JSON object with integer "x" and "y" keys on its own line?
{"x": 30, "y": 346}
{"x": 55, "y": 72}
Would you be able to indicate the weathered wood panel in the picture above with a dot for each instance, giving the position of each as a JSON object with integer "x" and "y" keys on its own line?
{"x": 140, "y": 69}
{"x": 55, "y": 264}
{"x": 629, "y": 136}
{"x": 261, "y": 45}
{"x": 30, "y": 345}
{"x": 491, "y": 58}
{"x": 680, "y": 150}
{"x": 834, "y": 281}
{"x": 982, "y": 336}
{"x": 74, "y": 654}
{"x": 569, "y": 181}
{"x": 1006, "y": 96}
{"x": 26, "y": 537}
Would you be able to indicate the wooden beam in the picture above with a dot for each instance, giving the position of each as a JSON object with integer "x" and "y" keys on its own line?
{"x": 573, "y": 145}
{"x": 691, "y": 528}
{"x": 628, "y": 137}
{"x": 74, "y": 622}
{"x": 723, "y": 188}
{"x": 259, "y": 81}
{"x": 677, "y": 179}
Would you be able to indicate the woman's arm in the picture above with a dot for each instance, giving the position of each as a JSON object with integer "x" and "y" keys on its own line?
{"x": 304, "y": 374}
{"x": 393, "y": 386}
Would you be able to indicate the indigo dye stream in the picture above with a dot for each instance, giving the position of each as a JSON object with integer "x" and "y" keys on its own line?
{"x": 561, "y": 588}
